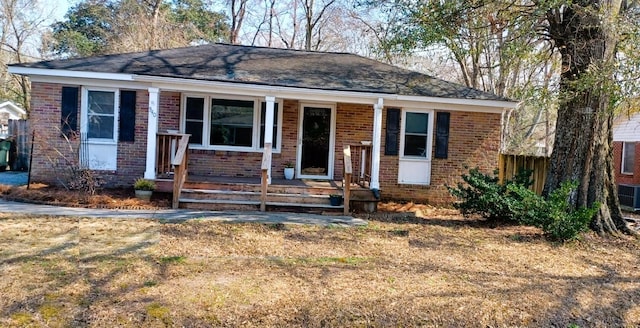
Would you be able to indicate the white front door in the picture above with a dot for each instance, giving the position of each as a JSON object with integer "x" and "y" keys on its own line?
{"x": 99, "y": 129}
{"x": 316, "y": 140}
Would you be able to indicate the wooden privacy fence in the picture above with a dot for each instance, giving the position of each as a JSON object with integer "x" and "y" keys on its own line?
{"x": 510, "y": 165}
{"x": 18, "y": 129}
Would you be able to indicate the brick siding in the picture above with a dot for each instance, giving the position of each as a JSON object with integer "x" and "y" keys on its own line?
{"x": 621, "y": 178}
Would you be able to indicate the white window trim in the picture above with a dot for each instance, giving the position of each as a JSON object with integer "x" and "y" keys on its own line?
{"x": 84, "y": 107}
{"x": 429, "y": 134}
{"x": 257, "y": 103}
{"x": 624, "y": 170}
{"x": 426, "y": 161}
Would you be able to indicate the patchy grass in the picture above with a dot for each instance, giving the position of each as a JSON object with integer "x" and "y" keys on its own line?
{"x": 401, "y": 270}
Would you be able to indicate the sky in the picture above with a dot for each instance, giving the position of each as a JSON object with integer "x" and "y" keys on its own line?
{"x": 59, "y": 8}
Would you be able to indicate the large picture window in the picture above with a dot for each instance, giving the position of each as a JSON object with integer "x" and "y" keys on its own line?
{"x": 228, "y": 124}
{"x": 628, "y": 157}
{"x": 101, "y": 114}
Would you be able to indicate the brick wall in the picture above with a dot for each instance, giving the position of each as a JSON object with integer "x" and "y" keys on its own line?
{"x": 474, "y": 140}
{"x": 617, "y": 165}
{"x": 54, "y": 155}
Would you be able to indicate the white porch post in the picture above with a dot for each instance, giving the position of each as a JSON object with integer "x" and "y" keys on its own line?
{"x": 268, "y": 126}
{"x": 152, "y": 130}
{"x": 375, "y": 150}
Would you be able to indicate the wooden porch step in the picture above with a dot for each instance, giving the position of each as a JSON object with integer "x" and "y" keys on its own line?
{"x": 219, "y": 201}
{"x": 251, "y": 197}
{"x": 304, "y": 205}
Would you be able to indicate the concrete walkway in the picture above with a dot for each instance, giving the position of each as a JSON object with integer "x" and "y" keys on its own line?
{"x": 179, "y": 215}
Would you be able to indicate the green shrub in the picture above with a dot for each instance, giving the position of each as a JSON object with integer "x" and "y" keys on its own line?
{"x": 144, "y": 184}
{"x": 484, "y": 195}
{"x": 555, "y": 215}
{"x": 514, "y": 201}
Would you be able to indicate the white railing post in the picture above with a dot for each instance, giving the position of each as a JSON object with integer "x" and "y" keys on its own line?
{"x": 375, "y": 148}
{"x": 152, "y": 130}
{"x": 268, "y": 127}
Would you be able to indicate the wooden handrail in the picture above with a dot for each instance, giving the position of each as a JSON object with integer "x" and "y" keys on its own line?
{"x": 180, "y": 168}
{"x": 264, "y": 177}
{"x": 362, "y": 160}
{"x": 348, "y": 172}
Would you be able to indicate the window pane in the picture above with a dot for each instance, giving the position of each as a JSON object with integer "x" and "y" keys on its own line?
{"x": 628, "y": 157}
{"x": 101, "y": 102}
{"x": 263, "y": 113}
{"x": 195, "y": 130}
{"x": 100, "y": 127}
{"x": 231, "y": 123}
{"x": 101, "y": 109}
{"x": 195, "y": 108}
{"x": 415, "y": 145}
{"x": 417, "y": 123}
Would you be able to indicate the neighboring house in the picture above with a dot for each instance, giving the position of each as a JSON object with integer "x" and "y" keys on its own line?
{"x": 9, "y": 111}
{"x": 626, "y": 158}
{"x": 232, "y": 100}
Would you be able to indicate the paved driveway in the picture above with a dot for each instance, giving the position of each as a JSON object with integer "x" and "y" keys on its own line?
{"x": 13, "y": 178}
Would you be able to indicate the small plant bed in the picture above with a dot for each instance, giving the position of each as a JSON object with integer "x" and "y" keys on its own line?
{"x": 110, "y": 198}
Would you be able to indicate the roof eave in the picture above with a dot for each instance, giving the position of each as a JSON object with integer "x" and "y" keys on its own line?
{"x": 30, "y": 71}
{"x": 241, "y": 87}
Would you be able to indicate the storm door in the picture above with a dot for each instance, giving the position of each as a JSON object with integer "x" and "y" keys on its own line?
{"x": 316, "y": 141}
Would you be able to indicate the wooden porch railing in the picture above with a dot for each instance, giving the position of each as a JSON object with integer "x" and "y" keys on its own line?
{"x": 361, "y": 164}
{"x": 180, "y": 169}
{"x": 172, "y": 159}
{"x": 264, "y": 178}
{"x": 348, "y": 173}
{"x": 166, "y": 148}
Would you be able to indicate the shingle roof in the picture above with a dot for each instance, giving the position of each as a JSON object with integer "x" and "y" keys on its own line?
{"x": 271, "y": 66}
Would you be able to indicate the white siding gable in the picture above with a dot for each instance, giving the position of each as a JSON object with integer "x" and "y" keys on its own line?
{"x": 627, "y": 128}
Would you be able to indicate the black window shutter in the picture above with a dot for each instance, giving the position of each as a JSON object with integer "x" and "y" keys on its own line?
{"x": 392, "y": 140}
{"x": 127, "y": 115}
{"x": 69, "y": 111}
{"x": 442, "y": 134}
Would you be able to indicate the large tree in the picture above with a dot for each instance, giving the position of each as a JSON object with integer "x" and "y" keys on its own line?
{"x": 491, "y": 40}
{"x": 588, "y": 36}
{"x": 21, "y": 24}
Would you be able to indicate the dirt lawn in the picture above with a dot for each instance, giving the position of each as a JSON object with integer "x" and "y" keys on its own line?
{"x": 441, "y": 270}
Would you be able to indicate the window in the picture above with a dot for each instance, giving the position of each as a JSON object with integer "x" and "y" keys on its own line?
{"x": 228, "y": 124}
{"x": 628, "y": 157}
{"x": 194, "y": 119}
{"x": 416, "y": 134}
{"x": 101, "y": 116}
{"x": 231, "y": 123}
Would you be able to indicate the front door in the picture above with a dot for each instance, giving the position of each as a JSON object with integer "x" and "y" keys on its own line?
{"x": 316, "y": 141}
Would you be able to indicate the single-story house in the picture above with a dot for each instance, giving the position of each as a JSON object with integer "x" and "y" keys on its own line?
{"x": 230, "y": 111}
{"x": 626, "y": 148}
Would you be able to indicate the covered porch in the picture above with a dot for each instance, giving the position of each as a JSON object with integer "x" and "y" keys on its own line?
{"x": 263, "y": 191}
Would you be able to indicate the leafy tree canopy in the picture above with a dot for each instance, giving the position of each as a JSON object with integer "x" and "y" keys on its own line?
{"x": 94, "y": 27}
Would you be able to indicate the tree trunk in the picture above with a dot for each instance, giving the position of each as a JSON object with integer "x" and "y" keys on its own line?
{"x": 583, "y": 147}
